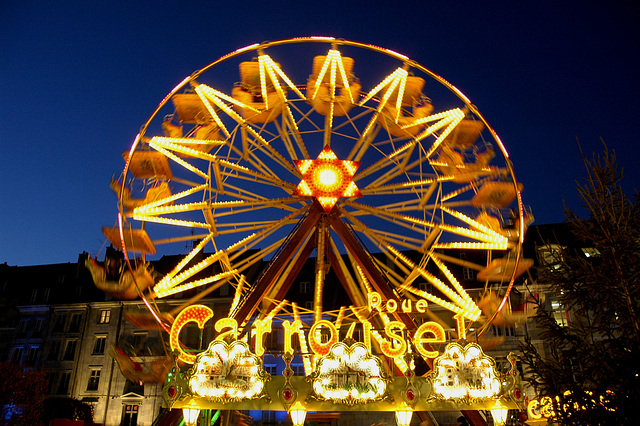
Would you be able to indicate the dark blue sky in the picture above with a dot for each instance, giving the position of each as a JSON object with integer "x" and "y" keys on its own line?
{"x": 77, "y": 79}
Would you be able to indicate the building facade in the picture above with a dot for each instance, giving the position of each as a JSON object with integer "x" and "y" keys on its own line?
{"x": 53, "y": 318}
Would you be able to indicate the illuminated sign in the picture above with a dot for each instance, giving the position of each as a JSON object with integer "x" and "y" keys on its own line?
{"x": 349, "y": 375}
{"x": 545, "y": 407}
{"x": 392, "y": 343}
{"x": 228, "y": 372}
{"x": 464, "y": 373}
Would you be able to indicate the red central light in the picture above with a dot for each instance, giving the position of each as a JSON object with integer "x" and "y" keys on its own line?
{"x": 327, "y": 178}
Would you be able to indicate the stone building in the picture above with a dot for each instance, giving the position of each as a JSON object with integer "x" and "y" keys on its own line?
{"x": 53, "y": 317}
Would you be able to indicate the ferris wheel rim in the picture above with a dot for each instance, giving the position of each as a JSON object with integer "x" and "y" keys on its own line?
{"x": 330, "y": 40}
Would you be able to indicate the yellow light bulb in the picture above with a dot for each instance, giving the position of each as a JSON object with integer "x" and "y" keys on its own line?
{"x": 328, "y": 177}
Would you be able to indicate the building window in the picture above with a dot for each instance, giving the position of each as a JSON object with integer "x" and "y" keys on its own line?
{"x": 131, "y": 387}
{"x": 34, "y": 296}
{"x": 105, "y": 316}
{"x": 560, "y": 314}
{"x": 298, "y": 369}
{"x": 271, "y": 369}
{"x": 130, "y": 415}
{"x": 468, "y": 273}
{"x": 23, "y": 326}
{"x": 308, "y": 305}
{"x": 99, "y": 345}
{"x": 305, "y": 287}
{"x": 54, "y": 350}
{"x": 32, "y": 355}
{"x": 74, "y": 324}
{"x": 357, "y": 335}
{"x": 591, "y": 251}
{"x": 224, "y": 290}
{"x": 70, "y": 350}
{"x": 16, "y": 356}
{"x": 139, "y": 340}
{"x": 58, "y": 323}
{"x": 63, "y": 384}
{"x": 269, "y": 417}
{"x": 47, "y": 294}
{"x": 38, "y": 330}
{"x": 504, "y": 331}
{"x": 94, "y": 379}
{"x": 550, "y": 255}
{"x": 272, "y": 339}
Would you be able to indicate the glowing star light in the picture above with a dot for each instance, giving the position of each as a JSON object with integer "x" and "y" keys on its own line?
{"x": 327, "y": 178}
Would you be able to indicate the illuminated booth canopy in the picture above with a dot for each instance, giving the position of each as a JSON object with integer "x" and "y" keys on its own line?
{"x": 347, "y": 377}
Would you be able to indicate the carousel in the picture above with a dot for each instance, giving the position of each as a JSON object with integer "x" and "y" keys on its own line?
{"x": 348, "y": 162}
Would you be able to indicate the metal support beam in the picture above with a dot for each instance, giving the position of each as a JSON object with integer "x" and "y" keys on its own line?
{"x": 369, "y": 268}
{"x": 269, "y": 278}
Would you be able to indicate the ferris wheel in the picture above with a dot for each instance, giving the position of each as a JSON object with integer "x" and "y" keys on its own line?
{"x": 318, "y": 147}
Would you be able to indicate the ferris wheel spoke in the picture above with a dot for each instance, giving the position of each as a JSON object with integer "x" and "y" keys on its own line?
{"x": 345, "y": 275}
{"x": 406, "y": 221}
{"x": 226, "y": 208}
{"x": 170, "y": 221}
{"x": 178, "y": 160}
{"x": 242, "y": 262}
{"x": 473, "y": 239}
{"x": 401, "y": 206}
{"x": 286, "y": 139}
{"x": 166, "y": 201}
{"x": 381, "y": 164}
{"x": 305, "y": 118}
{"x": 242, "y": 195}
{"x": 245, "y": 153}
{"x": 267, "y": 149}
{"x": 461, "y": 304}
{"x": 470, "y": 187}
{"x": 390, "y": 238}
{"x": 251, "y": 240}
{"x": 292, "y": 269}
{"x": 447, "y": 119}
{"x": 166, "y": 285}
{"x": 239, "y": 227}
{"x": 182, "y": 238}
{"x": 273, "y": 69}
{"x": 185, "y": 146}
{"x": 398, "y": 169}
{"x": 290, "y": 123}
{"x": 241, "y": 172}
{"x": 453, "y": 281}
{"x": 408, "y": 187}
{"x": 365, "y": 141}
{"x": 380, "y": 239}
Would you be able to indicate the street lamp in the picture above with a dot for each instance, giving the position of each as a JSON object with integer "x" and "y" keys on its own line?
{"x": 191, "y": 413}
{"x": 298, "y": 414}
{"x": 499, "y": 413}
{"x": 403, "y": 415}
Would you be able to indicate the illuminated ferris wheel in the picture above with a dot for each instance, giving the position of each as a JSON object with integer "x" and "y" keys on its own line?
{"x": 345, "y": 152}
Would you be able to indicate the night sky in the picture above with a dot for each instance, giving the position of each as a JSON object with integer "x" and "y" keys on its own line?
{"x": 78, "y": 79}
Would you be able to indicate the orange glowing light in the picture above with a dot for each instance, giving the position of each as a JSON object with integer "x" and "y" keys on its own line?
{"x": 327, "y": 178}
